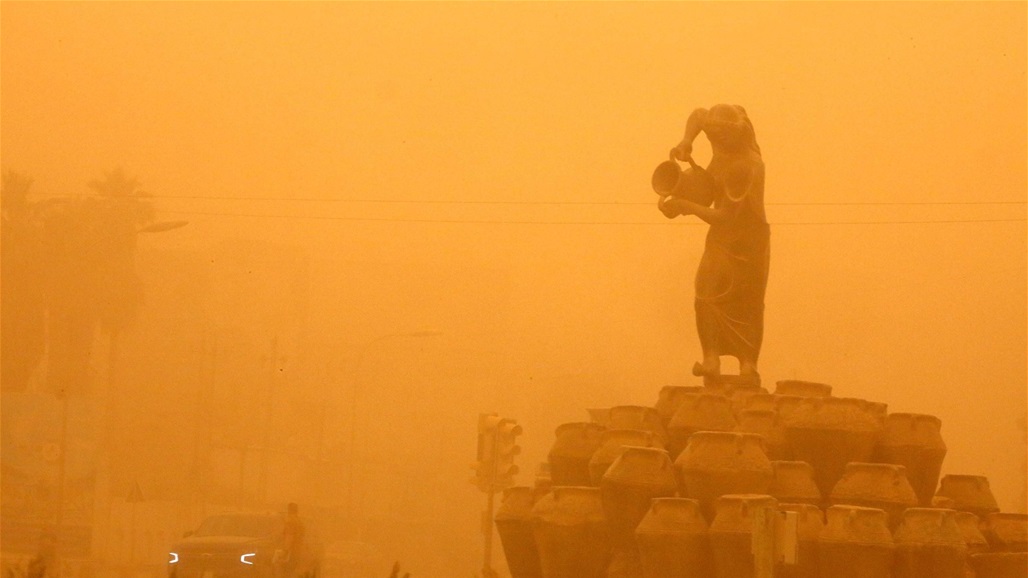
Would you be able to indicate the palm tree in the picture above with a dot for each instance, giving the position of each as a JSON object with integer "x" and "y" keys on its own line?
{"x": 68, "y": 266}
{"x": 123, "y": 211}
{"x": 92, "y": 281}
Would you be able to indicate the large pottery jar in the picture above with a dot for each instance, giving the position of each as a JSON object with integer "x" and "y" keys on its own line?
{"x": 571, "y": 533}
{"x": 1006, "y": 532}
{"x": 914, "y": 441}
{"x": 673, "y": 540}
{"x": 628, "y": 487}
{"x": 1000, "y": 564}
{"x": 571, "y": 451}
{"x": 929, "y": 544}
{"x": 671, "y": 397}
{"x": 514, "y": 525}
{"x": 829, "y": 433}
{"x": 882, "y": 486}
{"x": 969, "y": 494}
{"x": 765, "y": 423}
{"x": 718, "y": 463}
{"x": 599, "y": 415}
{"x": 793, "y": 483}
{"x": 809, "y": 525}
{"x": 803, "y": 388}
{"x": 855, "y": 543}
{"x": 739, "y": 396}
{"x": 879, "y": 410}
{"x": 973, "y": 537}
{"x": 765, "y": 401}
{"x": 703, "y": 412}
{"x": 542, "y": 483}
{"x": 970, "y": 529}
{"x": 788, "y": 407}
{"x": 731, "y": 533}
{"x": 636, "y": 417}
{"x": 624, "y": 563}
{"x": 612, "y": 445}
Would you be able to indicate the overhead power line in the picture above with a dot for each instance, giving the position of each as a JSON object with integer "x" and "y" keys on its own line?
{"x": 541, "y": 222}
{"x": 541, "y": 203}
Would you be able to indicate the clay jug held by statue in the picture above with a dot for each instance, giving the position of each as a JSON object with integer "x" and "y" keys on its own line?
{"x": 694, "y": 183}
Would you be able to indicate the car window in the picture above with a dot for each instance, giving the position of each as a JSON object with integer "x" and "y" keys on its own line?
{"x": 240, "y": 525}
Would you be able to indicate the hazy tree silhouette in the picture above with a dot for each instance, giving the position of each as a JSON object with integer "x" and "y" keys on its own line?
{"x": 68, "y": 268}
{"x": 96, "y": 280}
{"x": 22, "y": 302}
{"x": 123, "y": 211}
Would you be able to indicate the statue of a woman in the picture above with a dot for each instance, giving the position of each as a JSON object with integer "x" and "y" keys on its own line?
{"x": 732, "y": 275}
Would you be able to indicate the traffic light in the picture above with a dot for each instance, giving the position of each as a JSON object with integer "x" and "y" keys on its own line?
{"x": 485, "y": 462}
{"x": 494, "y": 466}
{"x": 505, "y": 449}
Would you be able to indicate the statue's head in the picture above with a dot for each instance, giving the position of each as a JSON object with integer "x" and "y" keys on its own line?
{"x": 728, "y": 127}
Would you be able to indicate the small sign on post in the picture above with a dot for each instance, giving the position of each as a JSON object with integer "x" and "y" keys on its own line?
{"x": 774, "y": 540}
{"x": 763, "y": 545}
{"x": 786, "y": 540}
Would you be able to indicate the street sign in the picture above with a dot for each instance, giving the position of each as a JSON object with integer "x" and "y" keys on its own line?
{"x": 786, "y": 537}
{"x": 774, "y": 540}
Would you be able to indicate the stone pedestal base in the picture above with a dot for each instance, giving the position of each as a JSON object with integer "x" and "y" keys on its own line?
{"x": 723, "y": 381}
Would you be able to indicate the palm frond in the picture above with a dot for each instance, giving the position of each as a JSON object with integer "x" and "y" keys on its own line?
{"x": 117, "y": 183}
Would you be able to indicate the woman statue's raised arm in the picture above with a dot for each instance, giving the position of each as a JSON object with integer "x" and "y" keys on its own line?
{"x": 693, "y": 126}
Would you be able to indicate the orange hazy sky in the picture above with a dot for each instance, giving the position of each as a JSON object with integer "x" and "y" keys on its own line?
{"x": 359, "y": 130}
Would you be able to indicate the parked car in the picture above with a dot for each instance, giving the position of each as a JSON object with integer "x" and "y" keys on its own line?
{"x": 241, "y": 545}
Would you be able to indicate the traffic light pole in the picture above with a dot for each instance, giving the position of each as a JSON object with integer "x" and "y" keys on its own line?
{"x": 487, "y": 522}
{"x": 494, "y": 471}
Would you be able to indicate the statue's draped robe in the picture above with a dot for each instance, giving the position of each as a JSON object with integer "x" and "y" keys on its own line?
{"x": 732, "y": 275}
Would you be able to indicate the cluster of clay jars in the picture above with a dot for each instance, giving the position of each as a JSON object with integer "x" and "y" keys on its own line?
{"x": 997, "y": 542}
{"x": 630, "y": 527}
{"x": 672, "y": 490}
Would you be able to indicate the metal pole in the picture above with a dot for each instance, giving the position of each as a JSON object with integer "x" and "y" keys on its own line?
{"x": 209, "y": 426}
{"x": 263, "y": 484}
{"x": 62, "y": 453}
{"x": 132, "y": 540}
{"x": 763, "y": 544}
{"x": 242, "y": 476}
{"x": 487, "y": 522}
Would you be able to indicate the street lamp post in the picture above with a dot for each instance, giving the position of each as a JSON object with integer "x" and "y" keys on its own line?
{"x": 102, "y": 489}
{"x": 365, "y": 348}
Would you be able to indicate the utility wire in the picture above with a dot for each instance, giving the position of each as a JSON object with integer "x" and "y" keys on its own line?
{"x": 533, "y": 203}
{"x": 511, "y": 222}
